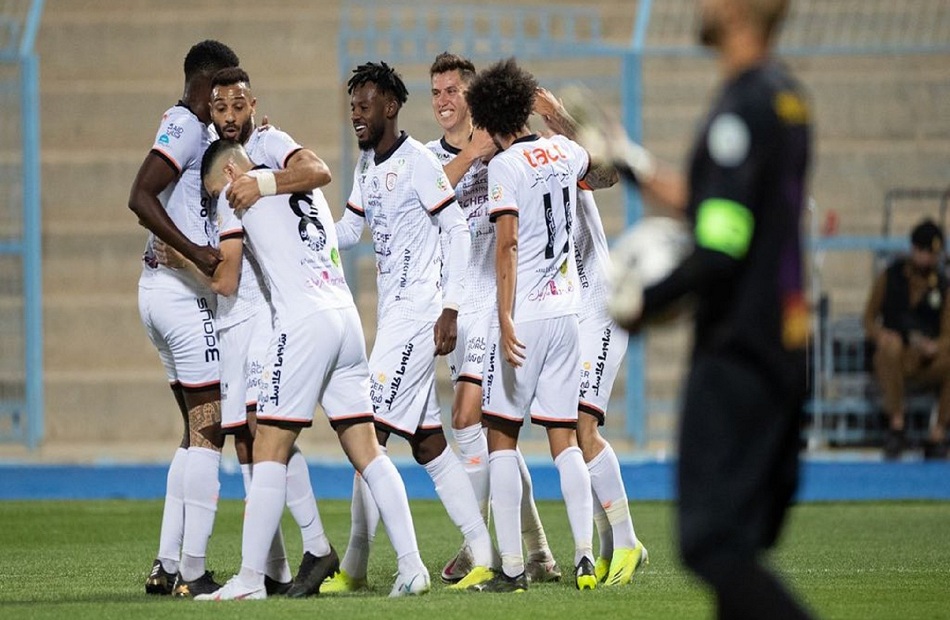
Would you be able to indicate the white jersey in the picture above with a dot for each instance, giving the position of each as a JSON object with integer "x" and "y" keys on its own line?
{"x": 398, "y": 194}
{"x": 270, "y": 148}
{"x": 293, "y": 239}
{"x": 181, "y": 141}
{"x": 536, "y": 179}
{"x": 593, "y": 256}
{"x": 471, "y": 192}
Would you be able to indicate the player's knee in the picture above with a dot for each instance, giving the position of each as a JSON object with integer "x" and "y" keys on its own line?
{"x": 428, "y": 447}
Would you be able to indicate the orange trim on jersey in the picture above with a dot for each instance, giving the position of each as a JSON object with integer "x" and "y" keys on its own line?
{"x": 234, "y": 233}
{"x": 168, "y": 158}
{"x": 476, "y": 379}
{"x": 199, "y": 386}
{"x": 291, "y": 154}
{"x": 235, "y": 425}
{"x": 502, "y": 416}
{"x": 351, "y": 416}
{"x": 442, "y": 205}
{"x": 268, "y": 419}
{"x": 556, "y": 420}
{"x": 352, "y": 207}
{"x": 584, "y": 186}
{"x": 494, "y": 215}
{"x": 594, "y": 408}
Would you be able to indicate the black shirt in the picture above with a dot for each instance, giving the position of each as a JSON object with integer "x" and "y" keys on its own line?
{"x": 752, "y": 154}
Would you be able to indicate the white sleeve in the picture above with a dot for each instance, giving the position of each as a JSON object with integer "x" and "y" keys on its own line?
{"x": 180, "y": 141}
{"x": 502, "y": 197}
{"x": 458, "y": 251}
{"x": 431, "y": 185}
{"x": 278, "y": 148}
{"x": 350, "y": 226}
{"x": 577, "y": 153}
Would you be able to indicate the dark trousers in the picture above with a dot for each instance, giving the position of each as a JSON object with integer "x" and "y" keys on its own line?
{"x": 738, "y": 470}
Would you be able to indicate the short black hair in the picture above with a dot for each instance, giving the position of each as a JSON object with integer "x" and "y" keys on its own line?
{"x": 214, "y": 150}
{"x": 447, "y": 61}
{"x": 501, "y": 97}
{"x": 383, "y": 76}
{"x": 927, "y": 236}
{"x": 230, "y": 75}
{"x": 209, "y": 56}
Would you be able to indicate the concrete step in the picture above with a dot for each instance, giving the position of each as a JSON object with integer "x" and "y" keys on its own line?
{"x": 103, "y": 261}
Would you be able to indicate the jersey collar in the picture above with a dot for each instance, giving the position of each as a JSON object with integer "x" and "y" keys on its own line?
{"x": 531, "y": 137}
{"x": 448, "y": 147}
{"x": 378, "y": 159}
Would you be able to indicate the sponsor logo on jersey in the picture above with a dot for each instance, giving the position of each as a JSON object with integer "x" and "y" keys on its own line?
{"x": 601, "y": 361}
{"x": 277, "y": 370}
{"x": 542, "y": 157}
{"x": 496, "y": 193}
{"x": 442, "y": 182}
{"x": 163, "y": 139}
{"x": 399, "y": 374}
{"x": 207, "y": 324}
{"x": 174, "y": 131}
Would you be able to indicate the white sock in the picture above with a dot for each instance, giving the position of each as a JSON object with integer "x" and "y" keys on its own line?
{"x": 388, "y": 492}
{"x": 604, "y": 533}
{"x": 265, "y": 504}
{"x": 246, "y": 472}
{"x": 575, "y": 487}
{"x": 364, "y": 518}
{"x": 608, "y": 485}
{"x": 455, "y": 491}
{"x": 277, "y": 566}
{"x": 303, "y": 505}
{"x": 201, "y": 504}
{"x": 535, "y": 541}
{"x": 173, "y": 515}
{"x": 506, "y": 506}
{"x": 473, "y": 451}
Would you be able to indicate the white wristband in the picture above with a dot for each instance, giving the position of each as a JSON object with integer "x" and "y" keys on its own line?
{"x": 640, "y": 161}
{"x": 266, "y": 183}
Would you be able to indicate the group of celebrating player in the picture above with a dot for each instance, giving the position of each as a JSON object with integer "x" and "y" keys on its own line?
{"x": 489, "y": 250}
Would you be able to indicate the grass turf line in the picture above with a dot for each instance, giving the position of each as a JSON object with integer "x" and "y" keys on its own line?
{"x": 88, "y": 559}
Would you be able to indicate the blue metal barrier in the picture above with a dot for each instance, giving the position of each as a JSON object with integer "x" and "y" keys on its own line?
{"x": 21, "y": 401}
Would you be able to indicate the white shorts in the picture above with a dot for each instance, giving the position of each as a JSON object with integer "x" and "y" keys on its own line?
{"x": 468, "y": 357}
{"x": 320, "y": 359}
{"x": 179, "y": 320}
{"x": 546, "y": 383}
{"x": 403, "y": 378}
{"x": 243, "y": 351}
{"x": 603, "y": 345}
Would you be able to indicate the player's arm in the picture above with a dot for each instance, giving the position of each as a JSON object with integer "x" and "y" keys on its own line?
{"x": 479, "y": 148}
{"x": 600, "y": 174}
{"x": 154, "y": 175}
{"x": 506, "y": 277}
{"x": 227, "y": 275}
{"x": 943, "y": 338}
{"x": 303, "y": 171}
{"x": 452, "y": 222}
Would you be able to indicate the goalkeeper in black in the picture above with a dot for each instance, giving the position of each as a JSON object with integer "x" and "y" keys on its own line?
{"x": 739, "y": 437}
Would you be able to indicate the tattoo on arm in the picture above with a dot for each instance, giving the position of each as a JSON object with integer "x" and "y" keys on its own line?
{"x": 601, "y": 176}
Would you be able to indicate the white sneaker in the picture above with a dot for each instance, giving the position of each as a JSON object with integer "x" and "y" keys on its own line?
{"x": 410, "y": 585}
{"x": 234, "y": 590}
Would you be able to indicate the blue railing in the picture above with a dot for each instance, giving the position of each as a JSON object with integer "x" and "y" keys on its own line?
{"x": 22, "y": 409}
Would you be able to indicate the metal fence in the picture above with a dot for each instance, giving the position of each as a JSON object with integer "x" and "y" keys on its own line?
{"x": 563, "y": 44}
{"x": 21, "y": 336}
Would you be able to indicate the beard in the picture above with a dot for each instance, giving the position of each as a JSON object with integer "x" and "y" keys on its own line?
{"x": 375, "y": 134}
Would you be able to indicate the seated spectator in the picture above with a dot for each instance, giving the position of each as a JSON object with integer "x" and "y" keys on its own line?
{"x": 908, "y": 319}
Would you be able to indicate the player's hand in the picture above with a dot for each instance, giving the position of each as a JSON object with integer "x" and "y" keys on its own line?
{"x": 446, "y": 331}
{"x": 265, "y": 125}
{"x": 167, "y": 255}
{"x": 512, "y": 348}
{"x": 888, "y": 339}
{"x": 546, "y": 105}
{"x": 206, "y": 258}
{"x": 243, "y": 193}
{"x": 482, "y": 146}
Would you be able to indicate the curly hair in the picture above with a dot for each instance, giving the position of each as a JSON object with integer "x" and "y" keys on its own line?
{"x": 383, "y": 76}
{"x": 209, "y": 56}
{"x": 231, "y": 75}
{"x": 501, "y": 97}
{"x": 447, "y": 61}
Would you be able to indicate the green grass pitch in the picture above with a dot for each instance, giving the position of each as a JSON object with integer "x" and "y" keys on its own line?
{"x": 88, "y": 559}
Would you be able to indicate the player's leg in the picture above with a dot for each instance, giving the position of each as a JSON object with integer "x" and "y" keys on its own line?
{"x": 889, "y": 370}
{"x": 183, "y": 320}
{"x": 347, "y": 403}
{"x": 737, "y": 472}
{"x": 602, "y": 346}
{"x": 540, "y": 565}
{"x": 164, "y": 571}
{"x": 558, "y": 384}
